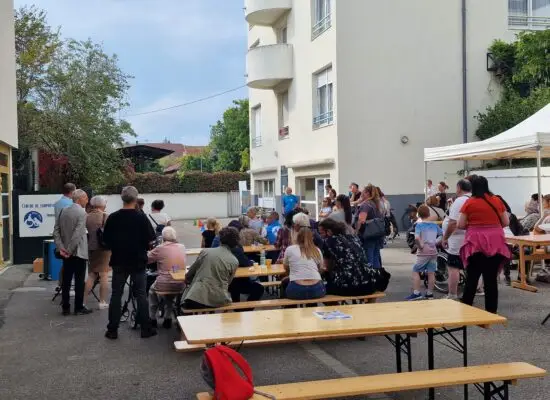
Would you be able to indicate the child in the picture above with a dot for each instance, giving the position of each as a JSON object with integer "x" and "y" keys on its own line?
{"x": 213, "y": 227}
{"x": 426, "y": 233}
{"x": 326, "y": 210}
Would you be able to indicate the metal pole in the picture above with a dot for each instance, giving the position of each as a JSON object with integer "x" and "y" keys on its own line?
{"x": 464, "y": 77}
{"x": 539, "y": 165}
{"x": 425, "y": 179}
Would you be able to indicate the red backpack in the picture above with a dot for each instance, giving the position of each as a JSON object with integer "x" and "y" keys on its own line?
{"x": 228, "y": 373}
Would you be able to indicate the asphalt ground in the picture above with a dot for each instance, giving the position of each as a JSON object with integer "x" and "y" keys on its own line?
{"x": 47, "y": 356}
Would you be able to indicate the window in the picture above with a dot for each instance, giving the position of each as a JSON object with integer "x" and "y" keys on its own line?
{"x": 267, "y": 188}
{"x": 321, "y": 17}
{"x": 323, "y": 114}
{"x": 256, "y": 126}
{"x": 529, "y": 14}
{"x": 282, "y": 35}
{"x": 282, "y": 100}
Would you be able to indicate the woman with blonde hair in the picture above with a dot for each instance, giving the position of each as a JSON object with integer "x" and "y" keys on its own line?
{"x": 213, "y": 228}
{"x": 98, "y": 256}
{"x": 370, "y": 209}
{"x": 436, "y": 213}
{"x": 303, "y": 261}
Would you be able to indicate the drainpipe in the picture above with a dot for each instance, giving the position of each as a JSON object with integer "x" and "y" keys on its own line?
{"x": 464, "y": 80}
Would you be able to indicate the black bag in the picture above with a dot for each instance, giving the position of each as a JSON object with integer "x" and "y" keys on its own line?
{"x": 387, "y": 226}
{"x": 56, "y": 252}
{"x": 99, "y": 234}
{"x": 374, "y": 228}
{"x": 158, "y": 227}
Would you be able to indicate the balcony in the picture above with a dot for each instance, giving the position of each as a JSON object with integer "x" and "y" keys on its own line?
{"x": 522, "y": 22}
{"x": 269, "y": 66}
{"x": 265, "y": 12}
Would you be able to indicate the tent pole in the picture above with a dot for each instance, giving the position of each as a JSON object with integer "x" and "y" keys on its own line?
{"x": 425, "y": 180}
{"x": 539, "y": 165}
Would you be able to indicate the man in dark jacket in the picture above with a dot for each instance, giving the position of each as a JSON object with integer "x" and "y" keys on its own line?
{"x": 128, "y": 234}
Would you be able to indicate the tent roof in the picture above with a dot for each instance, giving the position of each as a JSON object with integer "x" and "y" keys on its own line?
{"x": 521, "y": 141}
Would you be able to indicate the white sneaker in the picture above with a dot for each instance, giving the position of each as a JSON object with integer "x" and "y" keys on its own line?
{"x": 103, "y": 305}
{"x": 451, "y": 297}
{"x": 480, "y": 292}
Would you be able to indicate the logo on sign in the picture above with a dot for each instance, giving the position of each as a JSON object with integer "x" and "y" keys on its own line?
{"x": 33, "y": 219}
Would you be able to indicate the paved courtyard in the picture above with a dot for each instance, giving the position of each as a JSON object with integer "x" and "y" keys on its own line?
{"x": 46, "y": 356}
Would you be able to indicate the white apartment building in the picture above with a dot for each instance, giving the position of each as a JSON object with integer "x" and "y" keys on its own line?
{"x": 8, "y": 123}
{"x": 354, "y": 90}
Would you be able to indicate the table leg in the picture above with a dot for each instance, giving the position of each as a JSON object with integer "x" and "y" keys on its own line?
{"x": 431, "y": 359}
{"x": 402, "y": 344}
{"x": 398, "y": 353}
{"x": 522, "y": 283}
{"x": 465, "y": 356}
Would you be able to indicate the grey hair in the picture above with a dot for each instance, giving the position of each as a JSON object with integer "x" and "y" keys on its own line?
{"x": 169, "y": 234}
{"x": 78, "y": 194}
{"x": 244, "y": 220}
{"x": 301, "y": 220}
{"x": 98, "y": 201}
{"x": 129, "y": 194}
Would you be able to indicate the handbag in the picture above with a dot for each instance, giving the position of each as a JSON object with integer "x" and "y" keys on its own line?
{"x": 374, "y": 228}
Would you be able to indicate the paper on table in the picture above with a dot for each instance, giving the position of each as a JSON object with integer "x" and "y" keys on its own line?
{"x": 330, "y": 315}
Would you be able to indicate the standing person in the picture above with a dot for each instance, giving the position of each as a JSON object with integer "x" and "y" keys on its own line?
{"x": 436, "y": 213}
{"x": 66, "y": 200}
{"x": 303, "y": 262}
{"x": 342, "y": 212}
{"x": 170, "y": 257}
{"x": 72, "y": 243}
{"x": 332, "y": 197}
{"x": 328, "y": 188}
{"x": 355, "y": 194}
{"x": 425, "y": 234}
{"x": 212, "y": 230}
{"x": 158, "y": 219}
{"x": 484, "y": 251}
{"x": 369, "y": 209}
{"x": 98, "y": 256}
{"x": 430, "y": 189}
{"x": 140, "y": 204}
{"x": 453, "y": 238}
{"x": 290, "y": 201}
{"x": 442, "y": 195}
{"x": 209, "y": 277}
{"x": 128, "y": 234}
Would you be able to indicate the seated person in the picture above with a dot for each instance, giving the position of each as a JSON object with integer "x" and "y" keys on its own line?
{"x": 345, "y": 261}
{"x": 209, "y": 277}
{"x": 302, "y": 262}
{"x": 213, "y": 227}
{"x": 532, "y": 206}
{"x": 436, "y": 213}
{"x": 273, "y": 226}
{"x": 545, "y": 219}
{"x": 169, "y": 257}
{"x": 248, "y": 286}
{"x": 249, "y": 236}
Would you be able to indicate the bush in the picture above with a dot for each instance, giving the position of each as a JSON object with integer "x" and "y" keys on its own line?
{"x": 189, "y": 182}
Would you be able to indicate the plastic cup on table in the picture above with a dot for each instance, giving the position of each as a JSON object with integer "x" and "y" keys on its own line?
{"x": 268, "y": 263}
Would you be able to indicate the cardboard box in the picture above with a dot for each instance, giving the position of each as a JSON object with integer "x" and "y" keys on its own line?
{"x": 38, "y": 265}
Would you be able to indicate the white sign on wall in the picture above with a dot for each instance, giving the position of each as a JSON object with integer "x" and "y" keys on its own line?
{"x": 36, "y": 214}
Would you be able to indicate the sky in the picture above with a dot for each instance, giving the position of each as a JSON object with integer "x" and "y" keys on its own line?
{"x": 176, "y": 50}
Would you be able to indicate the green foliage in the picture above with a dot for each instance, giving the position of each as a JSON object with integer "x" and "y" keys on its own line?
{"x": 69, "y": 95}
{"x": 230, "y": 137}
{"x": 523, "y": 67}
{"x": 510, "y": 111}
{"x": 197, "y": 162}
{"x": 189, "y": 182}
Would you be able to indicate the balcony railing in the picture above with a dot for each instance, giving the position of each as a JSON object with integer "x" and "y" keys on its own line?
{"x": 321, "y": 26}
{"x": 256, "y": 141}
{"x": 283, "y": 133}
{"x": 525, "y": 22}
{"x": 323, "y": 119}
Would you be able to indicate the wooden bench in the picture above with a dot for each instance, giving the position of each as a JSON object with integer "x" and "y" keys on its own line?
{"x": 484, "y": 376}
{"x": 274, "y": 303}
{"x": 271, "y": 284}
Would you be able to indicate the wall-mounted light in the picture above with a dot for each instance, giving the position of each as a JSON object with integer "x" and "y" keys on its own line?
{"x": 404, "y": 139}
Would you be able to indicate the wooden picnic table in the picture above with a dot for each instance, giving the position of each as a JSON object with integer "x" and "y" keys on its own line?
{"x": 247, "y": 249}
{"x": 443, "y": 318}
{"x": 243, "y": 272}
{"x": 528, "y": 241}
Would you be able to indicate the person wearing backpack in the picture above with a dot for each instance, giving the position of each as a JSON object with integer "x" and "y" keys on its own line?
{"x": 484, "y": 251}
{"x": 158, "y": 219}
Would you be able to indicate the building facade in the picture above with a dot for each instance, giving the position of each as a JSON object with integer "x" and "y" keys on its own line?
{"x": 353, "y": 91}
{"x": 8, "y": 124}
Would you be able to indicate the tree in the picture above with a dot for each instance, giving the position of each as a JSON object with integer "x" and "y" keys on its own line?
{"x": 230, "y": 138}
{"x": 69, "y": 94}
{"x": 197, "y": 162}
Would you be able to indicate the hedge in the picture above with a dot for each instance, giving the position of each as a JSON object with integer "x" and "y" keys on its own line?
{"x": 190, "y": 182}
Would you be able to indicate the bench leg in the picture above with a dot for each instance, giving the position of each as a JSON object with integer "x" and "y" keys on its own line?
{"x": 451, "y": 341}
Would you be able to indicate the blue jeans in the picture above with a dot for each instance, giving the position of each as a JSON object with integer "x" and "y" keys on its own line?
{"x": 296, "y": 291}
{"x": 372, "y": 248}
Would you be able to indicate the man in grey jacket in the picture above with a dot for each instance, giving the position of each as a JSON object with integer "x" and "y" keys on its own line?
{"x": 71, "y": 240}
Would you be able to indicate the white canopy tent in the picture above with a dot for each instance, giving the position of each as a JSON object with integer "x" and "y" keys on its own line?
{"x": 528, "y": 139}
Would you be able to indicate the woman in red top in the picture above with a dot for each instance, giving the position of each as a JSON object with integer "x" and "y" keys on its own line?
{"x": 484, "y": 250}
